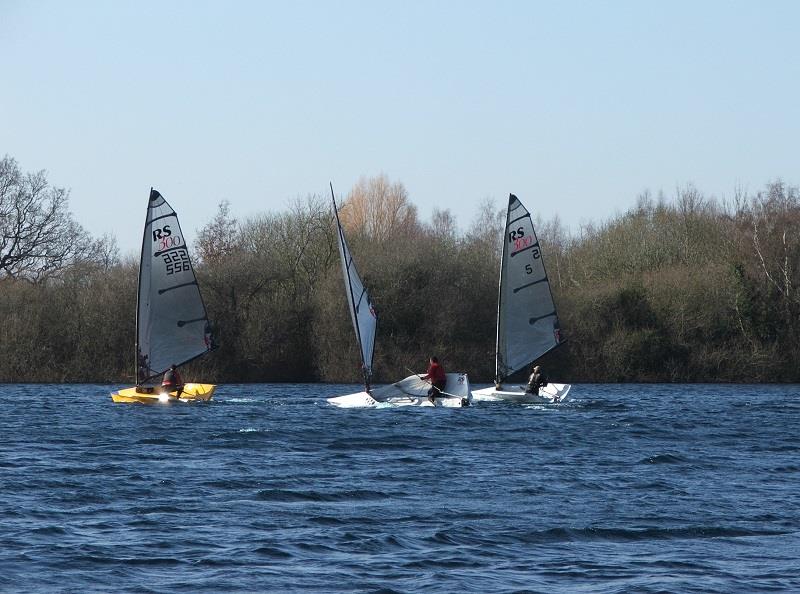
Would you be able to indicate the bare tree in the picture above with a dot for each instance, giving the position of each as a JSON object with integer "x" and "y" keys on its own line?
{"x": 379, "y": 209}
{"x": 775, "y": 215}
{"x": 38, "y": 236}
{"x": 217, "y": 238}
{"x": 443, "y": 224}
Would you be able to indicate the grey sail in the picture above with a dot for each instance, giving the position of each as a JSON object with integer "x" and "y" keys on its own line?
{"x": 527, "y": 322}
{"x": 365, "y": 320}
{"x": 171, "y": 322}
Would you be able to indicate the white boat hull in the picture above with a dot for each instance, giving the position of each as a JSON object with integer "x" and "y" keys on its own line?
{"x": 410, "y": 391}
{"x": 549, "y": 394}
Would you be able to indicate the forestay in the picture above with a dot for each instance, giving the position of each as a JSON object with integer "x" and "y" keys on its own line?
{"x": 527, "y": 323}
{"x": 365, "y": 320}
{"x": 171, "y": 321}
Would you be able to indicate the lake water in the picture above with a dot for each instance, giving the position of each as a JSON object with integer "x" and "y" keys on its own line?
{"x": 643, "y": 488}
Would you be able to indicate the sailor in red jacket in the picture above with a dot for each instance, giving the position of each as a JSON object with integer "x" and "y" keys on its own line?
{"x": 437, "y": 378}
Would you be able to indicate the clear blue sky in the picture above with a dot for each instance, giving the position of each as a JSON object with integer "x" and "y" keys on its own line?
{"x": 576, "y": 107}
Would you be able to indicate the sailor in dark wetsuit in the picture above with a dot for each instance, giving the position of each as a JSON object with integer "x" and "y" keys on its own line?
{"x": 173, "y": 381}
{"x": 535, "y": 381}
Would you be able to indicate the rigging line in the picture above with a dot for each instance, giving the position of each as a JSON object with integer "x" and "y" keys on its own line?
{"x": 162, "y": 291}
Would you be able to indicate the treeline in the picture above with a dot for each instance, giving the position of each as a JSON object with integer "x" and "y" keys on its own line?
{"x": 685, "y": 289}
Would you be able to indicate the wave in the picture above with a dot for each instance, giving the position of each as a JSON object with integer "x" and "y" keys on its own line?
{"x": 328, "y": 521}
{"x": 440, "y": 564}
{"x": 488, "y": 541}
{"x": 49, "y": 531}
{"x": 233, "y": 484}
{"x": 135, "y": 561}
{"x": 272, "y": 553}
{"x": 790, "y": 469}
{"x": 238, "y": 434}
{"x": 377, "y": 444}
{"x": 290, "y": 496}
{"x": 153, "y": 509}
{"x": 156, "y": 441}
{"x": 644, "y": 534}
{"x": 663, "y": 459}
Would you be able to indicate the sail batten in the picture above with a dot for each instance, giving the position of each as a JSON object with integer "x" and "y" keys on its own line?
{"x": 530, "y": 284}
{"x": 167, "y": 329}
{"x": 530, "y": 247}
{"x": 181, "y": 286}
{"x": 365, "y": 320}
{"x": 527, "y": 322}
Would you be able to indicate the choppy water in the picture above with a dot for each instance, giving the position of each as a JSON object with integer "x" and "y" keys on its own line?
{"x": 268, "y": 488}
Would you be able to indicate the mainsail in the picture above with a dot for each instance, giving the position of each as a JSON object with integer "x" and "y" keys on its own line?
{"x": 527, "y": 322}
{"x": 365, "y": 320}
{"x": 171, "y": 321}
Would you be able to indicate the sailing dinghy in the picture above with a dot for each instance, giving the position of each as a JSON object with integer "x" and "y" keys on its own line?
{"x": 411, "y": 391}
{"x": 527, "y": 321}
{"x": 172, "y": 327}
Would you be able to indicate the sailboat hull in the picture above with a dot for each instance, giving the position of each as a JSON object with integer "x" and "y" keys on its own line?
{"x": 550, "y": 394}
{"x": 190, "y": 393}
{"x": 410, "y": 391}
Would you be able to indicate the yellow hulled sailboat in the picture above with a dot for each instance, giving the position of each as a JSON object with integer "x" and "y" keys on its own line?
{"x": 172, "y": 326}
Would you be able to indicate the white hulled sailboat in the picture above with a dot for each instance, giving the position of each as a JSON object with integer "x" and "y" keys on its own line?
{"x": 411, "y": 391}
{"x": 527, "y": 321}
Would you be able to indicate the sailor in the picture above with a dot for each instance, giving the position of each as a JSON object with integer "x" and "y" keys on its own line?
{"x": 365, "y": 371}
{"x": 437, "y": 378}
{"x": 535, "y": 381}
{"x": 144, "y": 365}
{"x": 173, "y": 381}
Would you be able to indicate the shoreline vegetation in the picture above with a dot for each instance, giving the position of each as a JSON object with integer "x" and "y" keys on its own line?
{"x": 677, "y": 289}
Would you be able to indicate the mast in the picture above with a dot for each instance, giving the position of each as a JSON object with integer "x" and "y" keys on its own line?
{"x": 139, "y": 287}
{"x": 345, "y": 253}
{"x": 498, "y": 378}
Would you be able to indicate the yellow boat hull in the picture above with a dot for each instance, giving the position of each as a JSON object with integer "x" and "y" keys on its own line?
{"x": 190, "y": 393}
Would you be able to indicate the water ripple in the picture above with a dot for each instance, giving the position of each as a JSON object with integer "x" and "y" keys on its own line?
{"x": 267, "y": 488}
